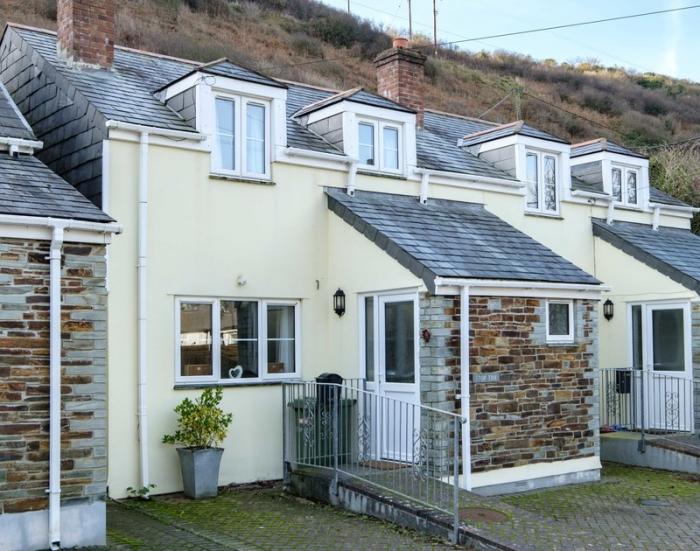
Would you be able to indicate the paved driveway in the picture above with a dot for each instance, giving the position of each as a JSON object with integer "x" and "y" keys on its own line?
{"x": 251, "y": 518}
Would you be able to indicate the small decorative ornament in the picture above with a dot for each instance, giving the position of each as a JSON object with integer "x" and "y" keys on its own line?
{"x": 608, "y": 309}
{"x": 339, "y": 302}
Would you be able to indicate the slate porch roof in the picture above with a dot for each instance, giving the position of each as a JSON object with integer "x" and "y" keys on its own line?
{"x": 29, "y": 188}
{"x": 674, "y": 252}
{"x": 451, "y": 239}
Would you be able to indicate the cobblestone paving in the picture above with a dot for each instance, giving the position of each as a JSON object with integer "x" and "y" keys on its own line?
{"x": 252, "y": 518}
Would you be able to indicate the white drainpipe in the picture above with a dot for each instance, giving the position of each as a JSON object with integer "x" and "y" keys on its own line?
{"x": 55, "y": 385}
{"x": 142, "y": 307}
{"x": 424, "y": 185}
{"x": 464, "y": 390}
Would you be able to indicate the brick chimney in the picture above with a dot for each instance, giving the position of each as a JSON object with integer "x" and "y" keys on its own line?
{"x": 86, "y": 31}
{"x": 400, "y": 76}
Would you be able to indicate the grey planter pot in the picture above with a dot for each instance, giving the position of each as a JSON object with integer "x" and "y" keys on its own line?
{"x": 200, "y": 471}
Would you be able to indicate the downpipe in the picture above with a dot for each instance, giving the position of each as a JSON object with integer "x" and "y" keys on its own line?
{"x": 55, "y": 386}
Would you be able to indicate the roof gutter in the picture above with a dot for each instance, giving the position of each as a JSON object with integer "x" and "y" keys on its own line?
{"x": 469, "y": 177}
{"x": 19, "y": 143}
{"x": 591, "y": 195}
{"x": 339, "y": 158}
{"x": 678, "y": 208}
{"x": 155, "y": 131}
{"x": 501, "y": 287}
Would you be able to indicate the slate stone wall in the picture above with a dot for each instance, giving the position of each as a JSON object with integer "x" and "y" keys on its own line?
{"x": 530, "y": 401}
{"x": 24, "y": 374}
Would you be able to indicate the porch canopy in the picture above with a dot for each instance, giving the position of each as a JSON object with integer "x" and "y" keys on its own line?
{"x": 447, "y": 240}
{"x": 674, "y": 252}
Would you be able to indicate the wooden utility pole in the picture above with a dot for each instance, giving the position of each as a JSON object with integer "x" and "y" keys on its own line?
{"x": 435, "y": 27}
{"x": 410, "y": 22}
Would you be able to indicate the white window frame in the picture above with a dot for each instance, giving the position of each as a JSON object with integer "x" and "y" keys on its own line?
{"x": 240, "y": 136}
{"x": 215, "y": 377}
{"x": 540, "y": 154}
{"x": 625, "y": 170}
{"x": 568, "y": 338}
{"x": 379, "y": 126}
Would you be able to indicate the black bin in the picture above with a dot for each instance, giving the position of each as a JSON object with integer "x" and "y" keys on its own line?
{"x": 327, "y": 395}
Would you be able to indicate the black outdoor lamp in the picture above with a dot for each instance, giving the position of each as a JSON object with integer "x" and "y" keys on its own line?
{"x": 608, "y": 309}
{"x": 339, "y": 302}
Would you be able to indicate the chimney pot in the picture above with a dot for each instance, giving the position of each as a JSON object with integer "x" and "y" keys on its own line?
{"x": 400, "y": 72}
{"x": 86, "y": 31}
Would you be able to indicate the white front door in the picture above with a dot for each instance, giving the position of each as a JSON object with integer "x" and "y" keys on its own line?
{"x": 391, "y": 361}
{"x": 662, "y": 353}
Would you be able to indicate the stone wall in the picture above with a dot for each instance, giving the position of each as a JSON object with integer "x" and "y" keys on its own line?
{"x": 530, "y": 401}
{"x": 24, "y": 374}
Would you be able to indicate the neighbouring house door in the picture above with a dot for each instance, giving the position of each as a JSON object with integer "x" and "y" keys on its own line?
{"x": 662, "y": 352}
{"x": 392, "y": 371}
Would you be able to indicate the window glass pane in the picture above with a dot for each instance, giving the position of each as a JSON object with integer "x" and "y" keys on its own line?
{"x": 617, "y": 184}
{"x": 225, "y": 134}
{"x": 366, "y": 142}
{"x": 239, "y": 339}
{"x": 668, "y": 341}
{"x": 550, "y": 183}
{"x": 399, "y": 342}
{"x": 195, "y": 340}
{"x": 532, "y": 177}
{"x": 391, "y": 148}
{"x": 632, "y": 187}
{"x": 255, "y": 138}
{"x": 369, "y": 338}
{"x": 559, "y": 319}
{"x": 280, "y": 339}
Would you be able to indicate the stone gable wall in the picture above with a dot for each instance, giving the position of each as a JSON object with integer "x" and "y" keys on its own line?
{"x": 530, "y": 401}
{"x": 24, "y": 374}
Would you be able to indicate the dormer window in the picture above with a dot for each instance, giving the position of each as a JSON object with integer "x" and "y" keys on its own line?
{"x": 241, "y": 142}
{"x": 624, "y": 185}
{"x": 541, "y": 182}
{"x": 379, "y": 146}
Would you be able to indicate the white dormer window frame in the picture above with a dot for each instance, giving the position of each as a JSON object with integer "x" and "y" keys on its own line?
{"x": 244, "y": 134}
{"x": 540, "y": 167}
{"x": 626, "y": 190}
{"x": 383, "y": 162}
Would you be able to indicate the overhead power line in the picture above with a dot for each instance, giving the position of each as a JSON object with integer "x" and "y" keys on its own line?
{"x": 570, "y": 25}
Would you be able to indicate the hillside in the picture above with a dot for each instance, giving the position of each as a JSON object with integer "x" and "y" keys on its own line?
{"x": 288, "y": 38}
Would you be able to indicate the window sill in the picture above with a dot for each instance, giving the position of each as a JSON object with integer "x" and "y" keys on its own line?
{"x": 192, "y": 386}
{"x": 561, "y": 343}
{"x": 544, "y": 215}
{"x": 241, "y": 179}
{"x": 379, "y": 174}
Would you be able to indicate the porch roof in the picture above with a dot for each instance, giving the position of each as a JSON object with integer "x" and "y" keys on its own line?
{"x": 451, "y": 239}
{"x": 674, "y": 252}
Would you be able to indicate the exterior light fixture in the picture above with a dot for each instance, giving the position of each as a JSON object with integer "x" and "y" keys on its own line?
{"x": 608, "y": 309}
{"x": 339, "y": 302}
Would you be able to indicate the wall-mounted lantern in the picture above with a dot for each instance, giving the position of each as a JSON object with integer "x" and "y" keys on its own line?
{"x": 608, "y": 309}
{"x": 339, "y": 302}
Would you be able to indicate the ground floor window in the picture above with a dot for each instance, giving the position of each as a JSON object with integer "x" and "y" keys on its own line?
{"x": 560, "y": 321}
{"x": 233, "y": 341}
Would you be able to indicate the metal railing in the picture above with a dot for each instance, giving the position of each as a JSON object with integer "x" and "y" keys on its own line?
{"x": 646, "y": 401}
{"x": 408, "y": 450}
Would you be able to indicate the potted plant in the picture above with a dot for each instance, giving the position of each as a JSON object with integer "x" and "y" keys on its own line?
{"x": 201, "y": 426}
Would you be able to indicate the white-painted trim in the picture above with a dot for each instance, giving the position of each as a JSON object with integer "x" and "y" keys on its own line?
{"x": 22, "y": 146}
{"x": 535, "y": 470}
{"x": 140, "y": 128}
{"x": 469, "y": 178}
{"x": 559, "y": 180}
{"x": 677, "y": 208}
{"x": 40, "y": 227}
{"x": 465, "y": 393}
{"x": 569, "y": 337}
{"x": 535, "y": 289}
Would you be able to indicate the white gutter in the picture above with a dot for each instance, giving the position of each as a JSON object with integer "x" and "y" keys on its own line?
{"x": 655, "y": 219}
{"x": 464, "y": 390}
{"x": 68, "y": 224}
{"x": 140, "y": 129}
{"x": 459, "y": 282}
{"x": 590, "y": 195}
{"x": 470, "y": 177}
{"x": 322, "y": 156}
{"x": 18, "y": 142}
{"x": 678, "y": 208}
{"x": 55, "y": 385}
{"x": 142, "y": 309}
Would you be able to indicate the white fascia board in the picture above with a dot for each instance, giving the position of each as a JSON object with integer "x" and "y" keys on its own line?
{"x": 448, "y": 178}
{"x": 675, "y": 208}
{"x": 116, "y": 134}
{"x": 512, "y": 288}
{"x": 362, "y": 110}
{"x": 518, "y": 139}
{"x": 76, "y": 231}
{"x": 590, "y": 158}
{"x": 243, "y": 87}
{"x": 20, "y": 146}
{"x": 180, "y": 86}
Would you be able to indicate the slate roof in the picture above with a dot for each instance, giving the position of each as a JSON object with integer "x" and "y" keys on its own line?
{"x": 28, "y": 187}
{"x": 12, "y": 123}
{"x": 225, "y": 68}
{"x": 674, "y": 252}
{"x": 451, "y": 239}
{"x": 505, "y": 130}
{"x": 356, "y": 95}
{"x": 658, "y": 196}
{"x": 602, "y": 144}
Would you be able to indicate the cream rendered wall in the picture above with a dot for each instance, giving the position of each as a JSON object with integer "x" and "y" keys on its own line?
{"x": 203, "y": 234}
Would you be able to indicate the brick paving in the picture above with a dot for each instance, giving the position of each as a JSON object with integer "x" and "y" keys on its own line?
{"x": 631, "y": 508}
{"x": 252, "y": 518}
